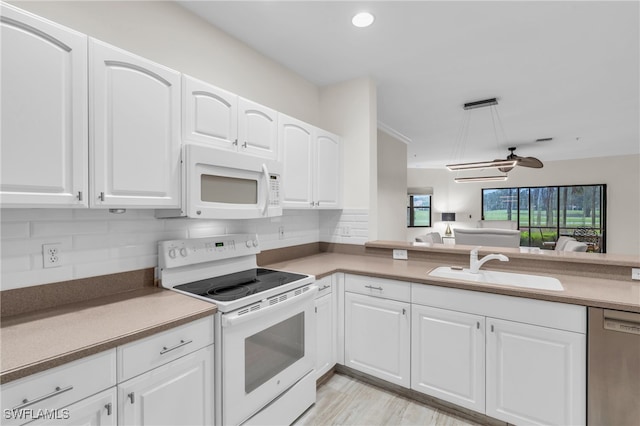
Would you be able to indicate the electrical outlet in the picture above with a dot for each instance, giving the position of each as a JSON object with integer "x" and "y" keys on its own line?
{"x": 281, "y": 233}
{"x": 400, "y": 254}
{"x": 346, "y": 231}
{"x": 635, "y": 273}
{"x": 51, "y": 255}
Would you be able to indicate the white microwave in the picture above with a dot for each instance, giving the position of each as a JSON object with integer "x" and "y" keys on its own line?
{"x": 227, "y": 185}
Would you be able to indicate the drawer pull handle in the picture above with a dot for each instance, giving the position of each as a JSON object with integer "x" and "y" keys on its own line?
{"x": 108, "y": 407}
{"x": 58, "y": 391}
{"x": 324, "y": 287}
{"x": 373, "y": 288}
{"x": 179, "y": 345}
{"x": 132, "y": 397}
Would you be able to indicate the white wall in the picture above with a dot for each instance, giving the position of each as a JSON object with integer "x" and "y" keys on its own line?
{"x": 621, "y": 174}
{"x": 392, "y": 188}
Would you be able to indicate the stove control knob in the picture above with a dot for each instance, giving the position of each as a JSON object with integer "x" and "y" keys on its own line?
{"x": 183, "y": 252}
{"x": 255, "y": 243}
{"x": 172, "y": 253}
{"x": 248, "y": 243}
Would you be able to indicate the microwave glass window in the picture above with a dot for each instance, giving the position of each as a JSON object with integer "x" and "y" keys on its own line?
{"x": 272, "y": 350}
{"x": 228, "y": 190}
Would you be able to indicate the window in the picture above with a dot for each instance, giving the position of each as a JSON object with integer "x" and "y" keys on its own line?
{"x": 546, "y": 212}
{"x": 419, "y": 211}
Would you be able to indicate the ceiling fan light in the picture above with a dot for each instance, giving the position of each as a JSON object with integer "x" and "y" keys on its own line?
{"x": 481, "y": 179}
{"x": 482, "y": 165}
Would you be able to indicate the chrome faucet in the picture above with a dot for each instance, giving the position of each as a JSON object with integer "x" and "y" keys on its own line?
{"x": 475, "y": 264}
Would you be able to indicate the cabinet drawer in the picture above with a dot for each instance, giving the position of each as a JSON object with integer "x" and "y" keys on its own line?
{"x": 562, "y": 316}
{"x": 143, "y": 355}
{"x": 324, "y": 286}
{"x": 58, "y": 387}
{"x": 379, "y": 287}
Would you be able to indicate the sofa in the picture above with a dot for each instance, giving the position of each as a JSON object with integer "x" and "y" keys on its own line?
{"x": 492, "y": 237}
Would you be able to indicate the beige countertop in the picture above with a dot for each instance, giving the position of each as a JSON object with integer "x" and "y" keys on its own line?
{"x": 586, "y": 291}
{"x": 44, "y": 339}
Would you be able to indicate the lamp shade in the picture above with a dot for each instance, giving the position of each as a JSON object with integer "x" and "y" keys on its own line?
{"x": 448, "y": 217}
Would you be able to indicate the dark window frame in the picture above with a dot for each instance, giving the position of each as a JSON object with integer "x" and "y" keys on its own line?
{"x": 411, "y": 212}
{"x": 557, "y": 227}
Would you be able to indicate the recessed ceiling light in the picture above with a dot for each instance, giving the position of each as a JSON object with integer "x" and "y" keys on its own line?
{"x": 362, "y": 19}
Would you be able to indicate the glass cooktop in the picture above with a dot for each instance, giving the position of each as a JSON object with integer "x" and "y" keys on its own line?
{"x": 239, "y": 284}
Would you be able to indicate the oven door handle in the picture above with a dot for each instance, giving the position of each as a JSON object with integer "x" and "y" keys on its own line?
{"x": 234, "y": 318}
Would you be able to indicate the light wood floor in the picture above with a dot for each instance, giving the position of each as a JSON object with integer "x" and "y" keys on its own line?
{"x": 343, "y": 400}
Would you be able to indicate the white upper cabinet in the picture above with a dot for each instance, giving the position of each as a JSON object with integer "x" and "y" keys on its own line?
{"x": 312, "y": 166}
{"x": 223, "y": 120}
{"x": 135, "y": 130}
{"x": 44, "y": 113}
{"x": 296, "y": 139}
{"x": 210, "y": 114}
{"x": 328, "y": 182}
{"x": 257, "y": 129}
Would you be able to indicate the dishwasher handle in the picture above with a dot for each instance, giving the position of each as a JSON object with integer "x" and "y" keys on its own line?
{"x": 621, "y": 321}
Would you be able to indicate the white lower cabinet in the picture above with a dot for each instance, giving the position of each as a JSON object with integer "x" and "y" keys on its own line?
{"x": 325, "y": 327}
{"x": 97, "y": 410}
{"x": 178, "y": 393}
{"x": 447, "y": 355}
{"x": 535, "y": 375}
{"x": 377, "y": 331}
{"x": 526, "y": 367}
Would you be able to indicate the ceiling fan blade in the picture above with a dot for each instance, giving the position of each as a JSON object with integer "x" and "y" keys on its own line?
{"x": 530, "y": 162}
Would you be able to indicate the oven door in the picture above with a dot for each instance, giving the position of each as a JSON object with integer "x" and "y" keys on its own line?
{"x": 230, "y": 185}
{"x": 264, "y": 353}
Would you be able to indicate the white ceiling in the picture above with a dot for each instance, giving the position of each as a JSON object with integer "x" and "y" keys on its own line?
{"x": 567, "y": 70}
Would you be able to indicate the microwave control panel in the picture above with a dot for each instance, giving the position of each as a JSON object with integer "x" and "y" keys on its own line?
{"x": 274, "y": 189}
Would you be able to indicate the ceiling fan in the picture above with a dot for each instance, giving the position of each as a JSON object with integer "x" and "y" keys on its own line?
{"x": 520, "y": 161}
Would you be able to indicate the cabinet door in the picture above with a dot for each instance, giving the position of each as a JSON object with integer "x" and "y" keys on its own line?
{"x": 135, "y": 130}
{"x": 257, "y": 129}
{"x": 535, "y": 375}
{"x": 448, "y": 355}
{"x": 178, "y": 393}
{"x": 210, "y": 114}
{"x": 377, "y": 338}
{"x": 325, "y": 336}
{"x": 297, "y": 142}
{"x": 44, "y": 113}
{"x": 97, "y": 410}
{"x": 328, "y": 177}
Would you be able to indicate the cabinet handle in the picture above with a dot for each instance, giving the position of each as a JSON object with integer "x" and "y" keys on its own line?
{"x": 179, "y": 345}
{"x": 26, "y": 402}
{"x": 373, "y": 288}
{"x": 101, "y": 197}
{"x": 478, "y": 325}
{"x": 244, "y": 145}
{"x": 317, "y": 203}
{"x": 108, "y": 407}
{"x": 312, "y": 204}
{"x": 235, "y": 142}
{"x": 324, "y": 287}
{"x": 492, "y": 328}
{"x": 131, "y": 397}
{"x": 404, "y": 311}
{"x": 316, "y": 308}
{"x": 79, "y": 196}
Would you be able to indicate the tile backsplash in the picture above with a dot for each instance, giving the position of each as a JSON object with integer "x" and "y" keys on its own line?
{"x": 96, "y": 242}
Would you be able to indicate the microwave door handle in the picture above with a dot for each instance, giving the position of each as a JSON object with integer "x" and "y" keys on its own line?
{"x": 267, "y": 199}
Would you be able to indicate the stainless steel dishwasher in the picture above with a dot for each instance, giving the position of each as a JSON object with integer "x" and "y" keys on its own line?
{"x": 613, "y": 375}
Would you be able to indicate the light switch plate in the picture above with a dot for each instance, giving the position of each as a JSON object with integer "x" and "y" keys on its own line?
{"x": 400, "y": 254}
{"x": 635, "y": 273}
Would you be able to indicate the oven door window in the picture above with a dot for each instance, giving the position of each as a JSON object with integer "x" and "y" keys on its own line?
{"x": 272, "y": 350}
{"x": 228, "y": 190}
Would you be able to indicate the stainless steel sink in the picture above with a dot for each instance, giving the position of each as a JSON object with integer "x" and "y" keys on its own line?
{"x": 536, "y": 282}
